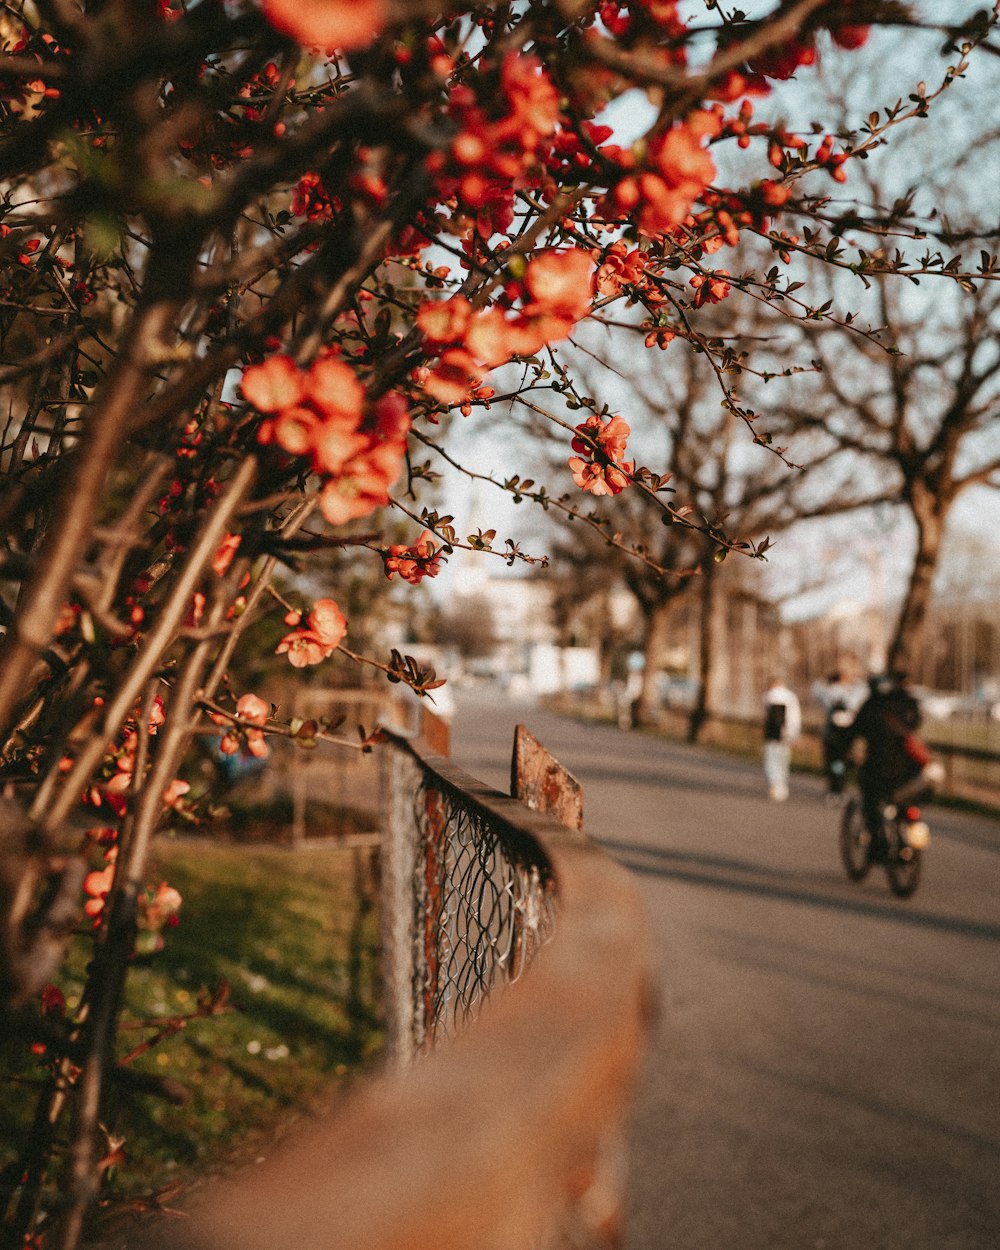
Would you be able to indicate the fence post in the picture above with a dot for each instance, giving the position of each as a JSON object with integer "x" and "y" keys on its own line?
{"x": 542, "y": 783}
{"x": 539, "y": 781}
{"x": 399, "y": 785}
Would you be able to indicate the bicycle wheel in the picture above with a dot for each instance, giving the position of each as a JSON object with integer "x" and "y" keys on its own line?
{"x": 902, "y": 865}
{"x": 855, "y": 841}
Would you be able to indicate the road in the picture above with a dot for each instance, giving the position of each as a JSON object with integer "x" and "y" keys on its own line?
{"x": 825, "y": 1072}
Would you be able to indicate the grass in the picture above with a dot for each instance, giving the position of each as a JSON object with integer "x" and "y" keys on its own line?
{"x": 982, "y": 735}
{"x": 294, "y": 936}
{"x": 270, "y": 820}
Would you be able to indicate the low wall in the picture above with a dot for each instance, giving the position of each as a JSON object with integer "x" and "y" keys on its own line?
{"x": 508, "y": 1137}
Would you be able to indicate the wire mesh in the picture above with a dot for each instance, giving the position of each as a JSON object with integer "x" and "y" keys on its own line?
{"x": 482, "y": 909}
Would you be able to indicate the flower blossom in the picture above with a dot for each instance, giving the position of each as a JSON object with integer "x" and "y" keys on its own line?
{"x": 223, "y": 557}
{"x": 254, "y": 711}
{"x": 415, "y": 562}
{"x": 159, "y": 907}
{"x": 320, "y": 413}
{"x": 97, "y": 885}
{"x": 274, "y": 385}
{"x": 557, "y": 288}
{"x": 559, "y": 283}
{"x": 710, "y": 288}
{"x": 533, "y": 99}
{"x": 175, "y": 792}
{"x": 620, "y": 268}
{"x": 603, "y": 443}
{"x": 328, "y": 24}
{"x": 782, "y": 60}
{"x": 323, "y": 633}
{"x": 677, "y": 171}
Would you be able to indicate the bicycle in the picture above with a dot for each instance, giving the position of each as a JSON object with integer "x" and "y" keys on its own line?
{"x": 906, "y": 838}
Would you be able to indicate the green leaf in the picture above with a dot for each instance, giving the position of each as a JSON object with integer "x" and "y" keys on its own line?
{"x": 103, "y": 235}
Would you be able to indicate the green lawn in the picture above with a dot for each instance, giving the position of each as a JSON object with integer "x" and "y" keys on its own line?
{"x": 294, "y": 935}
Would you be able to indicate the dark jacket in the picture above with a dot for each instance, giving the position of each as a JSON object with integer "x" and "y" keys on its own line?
{"x": 885, "y": 721}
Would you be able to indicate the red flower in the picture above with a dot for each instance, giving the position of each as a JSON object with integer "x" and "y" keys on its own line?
{"x": 363, "y": 485}
{"x": 413, "y": 563}
{"x": 295, "y": 430}
{"x": 334, "y": 447}
{"x": 444, "y": 321}
{"x": 53, "y": 1001}
{"x": 252, "y": 709}
{"x": 173, "y": 794}
{"x": 274, "y": 385}
{"x": 97, "y": 884}
{"x": 534, "y": 100}
{"x": 392, "y": 418}
{"x": 328, "y": 622}
{"x": 609, "y": 438}
{"x": 560, "y": 284}
{"x": 492, "y": 339}
{"x": 680, "y": 170}
{"x": 603, "y": 443}
{"x": 620, "y": 268}
{"x": 327, "y": 24}
{"x": 224, "y": 556}
{"x": 325, "y": 630}
{"x": 303, "y": 647}
{"x": 710, "y": 288}
{"x": 453, "y": 377}
{"x": 850, "y": 37}
{"x": 332, "y": 387}
{"x": 359, "y": 454}
{"x": 600, "y": 479}
{"x": 160, "y": 906}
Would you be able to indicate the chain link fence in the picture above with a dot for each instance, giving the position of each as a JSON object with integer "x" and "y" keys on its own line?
{"x": 467, "y": 901}
{"x": 500, "y": 1125}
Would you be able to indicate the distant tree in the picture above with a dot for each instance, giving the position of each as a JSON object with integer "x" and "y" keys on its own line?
{"x": 467, "y": 624}
{"x": 718, "y": 487}
{"x": 910, "y": 421}
{"x": 585, "y": 589}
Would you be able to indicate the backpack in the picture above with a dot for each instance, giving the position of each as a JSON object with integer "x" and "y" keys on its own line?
{"x": 774, "y": 722}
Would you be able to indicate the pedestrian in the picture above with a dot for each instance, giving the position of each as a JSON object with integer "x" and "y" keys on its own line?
{"x": 782, "y": 725}
{"x": 840, "y": 700}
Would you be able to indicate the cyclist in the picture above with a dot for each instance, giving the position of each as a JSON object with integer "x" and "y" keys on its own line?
{"x": 895, "y": 757}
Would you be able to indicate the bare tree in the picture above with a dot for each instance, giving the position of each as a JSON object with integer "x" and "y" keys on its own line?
{"x": 734, "y": 494}
{"x": 913, "y": 423}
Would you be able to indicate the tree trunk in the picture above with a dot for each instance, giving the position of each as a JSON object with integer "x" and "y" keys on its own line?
{"x": 907, "y": 641}
{"x": 647, "y": 706}
{"x": 707, "y": 646}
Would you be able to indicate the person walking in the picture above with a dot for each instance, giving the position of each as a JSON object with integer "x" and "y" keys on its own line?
{"x": 782, "y": 726}
{"x": 840, "y": 700}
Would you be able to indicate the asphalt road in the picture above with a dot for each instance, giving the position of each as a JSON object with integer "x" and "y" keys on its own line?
{"x": 825, "y": 1074}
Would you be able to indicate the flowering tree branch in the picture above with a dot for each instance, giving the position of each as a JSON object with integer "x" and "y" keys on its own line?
{"x": 252, "y": 256}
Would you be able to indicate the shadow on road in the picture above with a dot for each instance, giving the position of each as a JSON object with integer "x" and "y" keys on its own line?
{"x": 720, "y": 873}
{"x": 904, "y": 1116}
{"x": 737, "y": 953}
{"x": 676, "y": 781}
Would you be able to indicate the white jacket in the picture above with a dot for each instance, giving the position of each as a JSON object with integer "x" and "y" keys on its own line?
{"x": 793, "y": 712}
